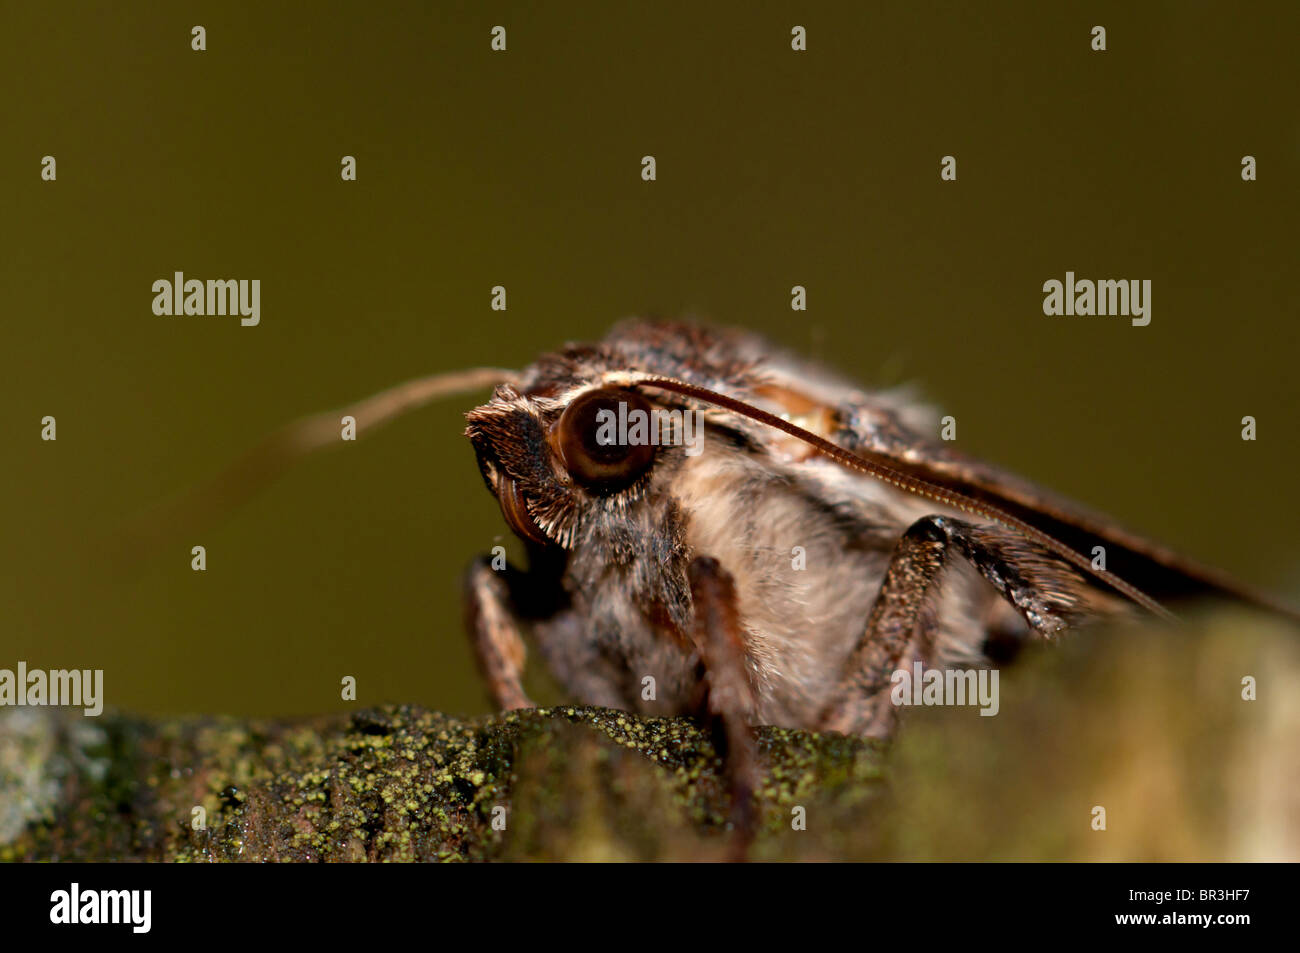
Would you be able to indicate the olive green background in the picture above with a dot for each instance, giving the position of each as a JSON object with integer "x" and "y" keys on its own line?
{"x": 476, "y": 168}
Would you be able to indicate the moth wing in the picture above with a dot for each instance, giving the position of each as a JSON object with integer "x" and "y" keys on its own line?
{"x": 893, "y": 429}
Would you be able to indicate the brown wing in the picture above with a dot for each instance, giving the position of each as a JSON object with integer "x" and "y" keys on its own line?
{"x": 876, "y": 431}
{"x": 1155, "y": 569}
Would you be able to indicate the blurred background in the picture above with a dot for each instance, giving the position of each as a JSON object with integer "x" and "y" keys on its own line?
{"x": 522, "y": 169}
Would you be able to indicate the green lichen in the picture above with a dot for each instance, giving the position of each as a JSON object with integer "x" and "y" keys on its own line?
{"x": 1151, "y": 724}
{"x": 392, "y": 784}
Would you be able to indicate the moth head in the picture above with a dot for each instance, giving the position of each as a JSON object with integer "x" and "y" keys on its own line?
{"x": 553, "y": 459}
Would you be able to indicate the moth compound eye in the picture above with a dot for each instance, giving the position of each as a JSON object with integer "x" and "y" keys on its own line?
{"x": 605, "y": 439}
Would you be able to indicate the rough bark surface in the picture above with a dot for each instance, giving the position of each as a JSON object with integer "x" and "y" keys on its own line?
{"x": 1149, "y": 724}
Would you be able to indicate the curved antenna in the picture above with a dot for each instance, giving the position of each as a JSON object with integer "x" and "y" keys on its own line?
{"x": 266, "y": 461}
{"x": 863, "y": 463}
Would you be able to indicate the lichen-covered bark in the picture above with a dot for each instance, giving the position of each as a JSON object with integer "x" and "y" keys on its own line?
{"x": 1149, "y": 724}
{"x": 393, "y": 783}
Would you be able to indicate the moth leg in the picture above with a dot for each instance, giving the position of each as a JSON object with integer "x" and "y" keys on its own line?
{"x": 1046, "y": 592}
{"x": 493, "y": 627}
{"x": 730, "y": 699}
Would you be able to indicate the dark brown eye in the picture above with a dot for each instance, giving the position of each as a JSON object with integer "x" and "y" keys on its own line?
{"x": 606, "y": 438}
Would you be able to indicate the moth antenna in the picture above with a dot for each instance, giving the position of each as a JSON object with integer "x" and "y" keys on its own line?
{"x": 886, "y": 473}
{"x": 266, "y": 461}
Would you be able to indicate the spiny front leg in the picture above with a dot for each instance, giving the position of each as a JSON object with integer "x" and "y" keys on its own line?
{"x": 493, "y": 628}
{"x": 730, "y": 700}
{"x": 1047, "y": 593}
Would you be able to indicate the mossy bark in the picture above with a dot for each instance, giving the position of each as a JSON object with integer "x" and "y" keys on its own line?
{"x": 392, "y": 783}
{"x": 1148, "y": 724}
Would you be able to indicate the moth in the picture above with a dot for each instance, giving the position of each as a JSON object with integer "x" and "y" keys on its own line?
{"x": 820, "y": 539}
{"x": 815, "y": 539}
